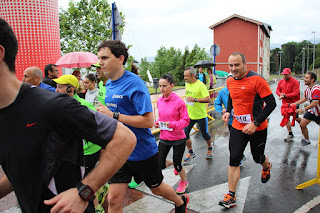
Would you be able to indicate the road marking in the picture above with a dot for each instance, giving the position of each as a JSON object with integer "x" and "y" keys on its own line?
{"x": 13, "y": 210}
{"x": 206, "y": 200}
{"x": 308, "y": 206}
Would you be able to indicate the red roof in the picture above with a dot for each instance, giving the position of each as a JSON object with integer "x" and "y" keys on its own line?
{"x": 265, "y": 27}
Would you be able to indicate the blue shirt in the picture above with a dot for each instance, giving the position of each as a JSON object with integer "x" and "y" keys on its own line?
{"x": 222, "y": 98}
{"x": 130, "y": 96}
{"x": 201, "y": 77}
{"x": 47, "y": 87}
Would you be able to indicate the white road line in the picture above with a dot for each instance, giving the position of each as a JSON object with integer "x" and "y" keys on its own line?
{"x": 308, "y": 206}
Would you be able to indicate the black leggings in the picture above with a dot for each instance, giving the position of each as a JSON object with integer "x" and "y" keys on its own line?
{"x": 238, "y": 142}
{"x": 178, "y": 151}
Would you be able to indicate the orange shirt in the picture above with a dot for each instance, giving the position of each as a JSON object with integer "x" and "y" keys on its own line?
{"x": 246, "y": 95}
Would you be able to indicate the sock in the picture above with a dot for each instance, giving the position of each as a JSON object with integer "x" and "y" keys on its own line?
{"x": 190, "y": 151}
{"x": 290, "y": 133}
{"x": 233, "y": 194}
{"x": 307, "y": 140}
{"x": 210, "y": 148}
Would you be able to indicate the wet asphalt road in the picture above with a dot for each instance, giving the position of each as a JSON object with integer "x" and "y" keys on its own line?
{"x": 291, "y": 166}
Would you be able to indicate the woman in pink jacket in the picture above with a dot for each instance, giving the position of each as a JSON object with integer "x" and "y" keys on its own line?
{"x": 173, "y": 118}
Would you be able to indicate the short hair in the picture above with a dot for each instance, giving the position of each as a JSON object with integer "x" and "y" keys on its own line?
{"x": 48, "y": 68}
{"x": 91, "y": 77}
{"x": 192, "y": 70}
{"x": 37, "y": 72}
{"x": 168, "y": 77}
{"x": 312, "y": 75}
{"x": 117, "y": 48}
{"x": 242, "y": 56}
{"x": 10, "y": 43}
{"x": 76, "y": 72}
{"x": 209, "y": 69}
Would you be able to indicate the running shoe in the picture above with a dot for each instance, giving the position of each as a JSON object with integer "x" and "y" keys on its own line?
{"x": 182, "y": 187}
{"x": 99, "y": 209}
{"x": 189, "y": 156}
{"x": 183, "y": 207}
{"x": 175, "y": 171}
{"x": 228, "y": 202}
{"x": 265, "y": 176}
{"x": 209, "y": 154}
{"x": 304, "y": 142}
{"x": 242, "y": 160}
{"x": 289, "y": 138}
{"x": 101, "y": 193}
{"x": 133, "y": 184}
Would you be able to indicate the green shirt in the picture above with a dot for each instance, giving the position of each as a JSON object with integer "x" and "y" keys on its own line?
{"x": 102, "y": 93}
{"x": 197, "y": 90}
{"x": 88, "y": 147}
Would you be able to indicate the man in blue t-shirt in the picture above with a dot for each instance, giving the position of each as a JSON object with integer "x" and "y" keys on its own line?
{"x": 33, "y": 76}
{"x": 128, "y": 101}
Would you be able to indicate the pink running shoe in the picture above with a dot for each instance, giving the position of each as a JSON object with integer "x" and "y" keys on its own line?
{"x": 175, "y": 171}
{"x": 182, "y": 187}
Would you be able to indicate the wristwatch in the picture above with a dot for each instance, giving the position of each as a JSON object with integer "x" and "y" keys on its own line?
{"x": 195, "y": 100}
{"x": 256, "y": 123}
{"x": 116, "y": 115}
{"x": 85, "y": 192}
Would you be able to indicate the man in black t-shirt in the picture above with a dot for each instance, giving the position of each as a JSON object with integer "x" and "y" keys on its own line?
{"x": 41, "y": 148}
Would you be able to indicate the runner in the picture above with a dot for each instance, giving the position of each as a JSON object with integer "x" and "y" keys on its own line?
{"x": 197, "y": 96}
{"x": 173, "y": 117}
{"x": 41, "y": 142}
{"x": 311, "y": 94}
{"x": 248, "y": 93}
{"x": 288, "y": 91}
{"x": 128, "y": 101}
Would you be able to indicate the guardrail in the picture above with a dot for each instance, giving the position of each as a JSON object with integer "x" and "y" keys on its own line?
{"x": 209, "y": 107}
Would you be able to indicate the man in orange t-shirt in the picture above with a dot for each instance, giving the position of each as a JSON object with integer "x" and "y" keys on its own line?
{"x": 248, "y": 93}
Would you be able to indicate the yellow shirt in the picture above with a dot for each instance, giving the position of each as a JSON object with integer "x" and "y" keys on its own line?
{"x": 197, "y": 90}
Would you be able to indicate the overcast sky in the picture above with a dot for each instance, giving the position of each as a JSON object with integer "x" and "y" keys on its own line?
{"x": 180, "y": 23}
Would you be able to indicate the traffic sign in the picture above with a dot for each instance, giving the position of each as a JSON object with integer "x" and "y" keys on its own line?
{"x": 215, "y": 49}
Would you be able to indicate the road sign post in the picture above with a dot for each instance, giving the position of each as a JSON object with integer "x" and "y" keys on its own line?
{"x": 215, "y": 51}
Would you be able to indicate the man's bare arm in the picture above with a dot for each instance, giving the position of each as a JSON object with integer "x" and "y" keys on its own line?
{"x": 113, "y": 157}
{"x": 5, "y": 186}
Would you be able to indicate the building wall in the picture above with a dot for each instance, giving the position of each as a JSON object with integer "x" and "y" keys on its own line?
{"x": 236, "y": 35}
{"x": 36, "y": 25}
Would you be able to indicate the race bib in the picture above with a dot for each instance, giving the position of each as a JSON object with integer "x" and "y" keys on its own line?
{"x": 190, "y": 103}
{"x": 244, "y": 119}
{"x": 163, "y": 126}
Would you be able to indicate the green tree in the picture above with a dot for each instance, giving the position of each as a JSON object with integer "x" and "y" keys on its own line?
{"x": 144, "y": 65}
{"x": 167, "y": 60}
{"x": 289, "y": 51}
{"x": 274, "y": 61}
{"x": 84, "y": 25}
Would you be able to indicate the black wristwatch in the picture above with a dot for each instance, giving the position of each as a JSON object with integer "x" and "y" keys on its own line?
{"x": 85, "y": 192}
{"x": 195, "y": 100}
{"x": 256, "y": 123}
{"x": 116, "y": 115}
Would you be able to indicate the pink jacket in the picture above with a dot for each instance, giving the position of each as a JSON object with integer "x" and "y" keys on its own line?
{"x": 174, "y": 110}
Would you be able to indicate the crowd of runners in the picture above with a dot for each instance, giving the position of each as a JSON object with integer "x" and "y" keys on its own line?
{"x": 84, "y": 145}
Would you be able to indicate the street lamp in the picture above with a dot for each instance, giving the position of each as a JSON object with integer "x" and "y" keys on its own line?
{"x": 280, "y": 61}
{"x": 303, "y": 60}
{"x": 308, "y": 58}
{"x": 314, "y": 52}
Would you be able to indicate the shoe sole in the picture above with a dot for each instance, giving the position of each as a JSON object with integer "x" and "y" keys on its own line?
{"x": 208, "y": 158}
{"x": 228, "y": 206}
{"x": 189, "y": 159}
{"x": 183, "y": 191}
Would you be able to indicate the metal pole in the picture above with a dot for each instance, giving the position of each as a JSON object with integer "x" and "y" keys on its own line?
{"x": 214, "y": 58}
{"x": 308, "y": 58}
{"x": 113, "y": 23}
{"x": 280, "y": 62}
{"x": 303, "y": 59}
{"x": 314, "y": 52}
